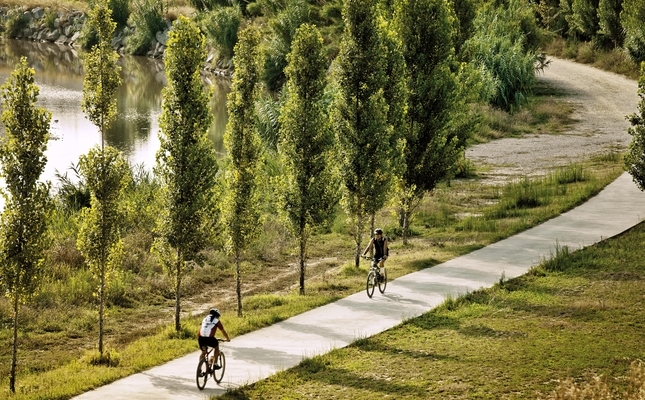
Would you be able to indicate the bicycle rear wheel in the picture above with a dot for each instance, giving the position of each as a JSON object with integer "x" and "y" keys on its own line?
{"x": 218, "y": 375}
{"x": 202, "y": 376}
{"x": 371, "y": 282}
{"x": 383, "y": 282}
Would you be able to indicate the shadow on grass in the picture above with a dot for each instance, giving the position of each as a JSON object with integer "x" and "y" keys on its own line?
{"x": 418, "y": 265}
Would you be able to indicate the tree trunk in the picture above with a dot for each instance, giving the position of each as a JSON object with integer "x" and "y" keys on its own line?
{"x": 177, "y": 294}
{"x": 238, "y": 284}
{"x": 404, "y": 231}
{"x": 372, "y": 232}
{"x": 303, "y": 245}
{"x": 357, "y": 238}
{"x": 101, "y": 310}
{"x": 14, "y": 350}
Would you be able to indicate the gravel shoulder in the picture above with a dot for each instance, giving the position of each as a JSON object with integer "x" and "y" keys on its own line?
{"x": 601, "y": 101}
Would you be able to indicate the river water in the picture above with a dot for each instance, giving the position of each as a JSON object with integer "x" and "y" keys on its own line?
{"x": 59, "y": 75}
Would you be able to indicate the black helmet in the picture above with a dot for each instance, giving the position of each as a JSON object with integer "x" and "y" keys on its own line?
{"x": 215, "y": 312}
{"x": 378, "y": 231}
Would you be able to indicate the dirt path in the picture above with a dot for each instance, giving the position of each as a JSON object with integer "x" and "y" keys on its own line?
{"x": 601, "y": 101}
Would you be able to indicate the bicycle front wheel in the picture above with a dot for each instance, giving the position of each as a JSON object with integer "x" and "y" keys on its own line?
{"x": 371, "y": 282}
{"x": 218, "y": 375}
{"x": 202, "y": 375}
{"x": 382, "y": 283}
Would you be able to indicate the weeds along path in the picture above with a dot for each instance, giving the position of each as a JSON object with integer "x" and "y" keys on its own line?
{"x": 601, "y": 101}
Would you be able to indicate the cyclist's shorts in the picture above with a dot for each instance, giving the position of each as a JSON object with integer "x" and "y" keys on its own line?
{"x": 206, "y": 341}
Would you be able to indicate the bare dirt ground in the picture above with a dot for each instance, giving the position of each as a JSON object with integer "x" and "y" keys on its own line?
{"x": 601, "y": 101}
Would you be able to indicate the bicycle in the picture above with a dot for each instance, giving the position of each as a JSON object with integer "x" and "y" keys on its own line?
{"x": 204, "y": 370}
{"x": 374, "y": 277}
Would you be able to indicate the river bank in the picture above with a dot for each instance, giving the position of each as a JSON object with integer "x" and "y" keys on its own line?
{"x": 65, "y": 29}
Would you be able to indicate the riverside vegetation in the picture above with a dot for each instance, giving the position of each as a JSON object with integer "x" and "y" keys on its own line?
{"x": 460, "y": 216}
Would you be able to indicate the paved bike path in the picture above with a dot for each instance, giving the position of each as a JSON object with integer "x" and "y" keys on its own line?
{"x": 258, "y": 354}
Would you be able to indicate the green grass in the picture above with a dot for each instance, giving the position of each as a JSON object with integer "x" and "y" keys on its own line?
{"x": 564, "y": 328}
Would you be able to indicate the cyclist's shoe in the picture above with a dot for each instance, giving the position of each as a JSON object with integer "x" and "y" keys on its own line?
{"x": 216, "y": 367}
{"x": 208, "y": 371}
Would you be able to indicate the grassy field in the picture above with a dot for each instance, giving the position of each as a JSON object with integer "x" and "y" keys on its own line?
{"x": 571, "y": 326}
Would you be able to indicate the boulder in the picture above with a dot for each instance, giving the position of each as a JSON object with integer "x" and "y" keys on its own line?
{"x": 38, "y": 13}
{"x": 62, "y": 39}
{"x": 162, "y": 37}
{"x": 68, "y": 31}
{"x": 52, "y": 35}
{"x": 74, "y": 37}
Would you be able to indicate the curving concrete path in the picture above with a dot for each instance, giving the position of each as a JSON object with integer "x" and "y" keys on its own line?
{"x": 257, "y": 355}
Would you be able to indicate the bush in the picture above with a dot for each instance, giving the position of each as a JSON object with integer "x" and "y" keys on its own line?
{"x": 16, "y": 22}
{"x": 221, "y": 26}
{"x": 502, "y": 47}
{"x": 147, "y": 18}
{"x": 120, "y": 12}
{"x": 632, "y": 18}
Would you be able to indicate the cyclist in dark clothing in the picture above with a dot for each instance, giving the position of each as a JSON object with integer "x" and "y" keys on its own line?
{"x": 381, "y": 251}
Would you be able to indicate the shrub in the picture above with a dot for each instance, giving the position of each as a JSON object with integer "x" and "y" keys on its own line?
{"x": 16, "y": 22}
{"x": 609, "y": 21}
{"x": 221, "y": 26}
{"x": 147, "y": 17}
{"x": 583, "y": 21}
{"x": 632, "y": 18}
{"x": 120, "y": 12}
{"x": 502, "y": 47}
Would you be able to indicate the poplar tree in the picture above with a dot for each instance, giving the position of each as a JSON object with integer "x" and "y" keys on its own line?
{"x": 106, "y": 174}
{"x": 306, "y": 141}
{"x": 240, "y": 207}
{"x": 186, "y": 159}
{"x": 27, "y": 204}
{"x": 425, "y": 29}
{"x": 104, "y": 169}
{"x": 101, "y": 71}
{"x": 359, "y": 115}
{"x": 635, "y": 158}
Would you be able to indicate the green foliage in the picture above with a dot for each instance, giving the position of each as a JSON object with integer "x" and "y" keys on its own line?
{"x": 502, "y": 47}
{"x": 120, "y": 12}
{"x": 583, "y": 21}
{"x": 16, "y": 21}
{"x": 635, "y": 158}
{"x": 465, "y": 12}
{"x": 240, "y": 205}
{"x": 23, "y": 222}
{"x": 283, "y": 29}
{"x": 106, "y": 174}
{"x": 609, "y": 21}
{"x": 267, "y": 109}
{"x": 72, "y": 193}
{"x": 631, "y": 18}
{"x": 359, "y": 113}
{"x": 432, "y": 147}
{"x": 222, "y": 24}
{"x": 306, "y": 145}
{"x": 210, "y": 5}
{"x": 186, "y": 162}
{"x": 147, "y": 16}
{"x": 101, "y": 71}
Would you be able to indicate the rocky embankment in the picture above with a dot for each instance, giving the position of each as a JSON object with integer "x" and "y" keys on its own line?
{"x": 64, "y": 28}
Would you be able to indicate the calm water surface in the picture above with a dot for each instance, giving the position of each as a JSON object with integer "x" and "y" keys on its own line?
{"x": 59, "y": 75}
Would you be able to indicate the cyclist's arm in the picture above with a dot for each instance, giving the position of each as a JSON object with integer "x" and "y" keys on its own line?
{"x": 386, "y": 250}
{"x": 369, "y": 246}
{"x": 221, "y": 328}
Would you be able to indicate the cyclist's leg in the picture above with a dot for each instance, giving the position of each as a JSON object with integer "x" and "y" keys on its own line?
{"x": 215, "y": 346}
{"x": 202, "y": 346}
